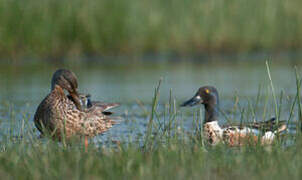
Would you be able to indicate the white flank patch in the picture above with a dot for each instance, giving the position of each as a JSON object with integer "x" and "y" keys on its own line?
{"x": 198, "y": 97}
{"x": 268, "y": 136}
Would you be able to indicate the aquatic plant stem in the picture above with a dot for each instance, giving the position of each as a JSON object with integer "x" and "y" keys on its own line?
{"x": 273, "y": 91}
{"x": 298, "y": 84}
{"x": 153, "y": 113}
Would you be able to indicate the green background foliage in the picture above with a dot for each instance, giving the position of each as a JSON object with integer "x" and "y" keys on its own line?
{"x": 58, "y": 28}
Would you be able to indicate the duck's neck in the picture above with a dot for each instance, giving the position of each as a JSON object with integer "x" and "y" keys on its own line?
{"x": 211, "y": 113}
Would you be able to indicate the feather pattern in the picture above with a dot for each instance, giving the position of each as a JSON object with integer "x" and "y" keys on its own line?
{"x": 58, "y": 115}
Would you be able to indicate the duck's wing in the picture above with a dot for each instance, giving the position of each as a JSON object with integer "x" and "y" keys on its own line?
{"x": 83, "y": 100}
{"x": 98, "y": 122}
{"x": 103, "y": 107}
{"x": 97, "y": 117}
{"x": 269, "y": 125}
{"x": 87, "y": 104}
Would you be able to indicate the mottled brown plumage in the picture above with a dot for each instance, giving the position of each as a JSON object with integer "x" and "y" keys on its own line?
{"x": 59, "y": 115}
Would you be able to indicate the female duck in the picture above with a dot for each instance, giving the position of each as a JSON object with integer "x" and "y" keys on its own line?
{"x": 231, "y": 135}
{"x": 67, "y": 116}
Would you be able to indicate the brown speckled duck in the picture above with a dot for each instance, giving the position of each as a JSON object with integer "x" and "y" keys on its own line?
{"x": 263, "y": 133}
{"x": 72, "y": 115}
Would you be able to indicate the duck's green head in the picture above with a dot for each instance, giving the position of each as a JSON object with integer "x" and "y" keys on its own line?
{"x": 207, "y": 95}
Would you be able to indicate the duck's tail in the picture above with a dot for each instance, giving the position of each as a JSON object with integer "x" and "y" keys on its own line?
{"x": 275, "y": 129}
{"x": 281, "y": 128}
{"x": 104, "y": 109}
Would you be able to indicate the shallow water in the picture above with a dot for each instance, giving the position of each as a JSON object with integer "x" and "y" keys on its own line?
{"x": 23, "y": 87}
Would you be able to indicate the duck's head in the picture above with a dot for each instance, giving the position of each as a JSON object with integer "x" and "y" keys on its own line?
{"x": 207, "y": 95}
{"x": 67, "y": 80}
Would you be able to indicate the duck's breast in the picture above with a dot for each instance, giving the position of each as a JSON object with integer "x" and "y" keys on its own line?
{"x": 212, "y": 132}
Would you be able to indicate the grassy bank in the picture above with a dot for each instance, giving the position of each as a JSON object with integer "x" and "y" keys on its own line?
{"x": 66, "y": 28}
{"x": 178, "y": 161}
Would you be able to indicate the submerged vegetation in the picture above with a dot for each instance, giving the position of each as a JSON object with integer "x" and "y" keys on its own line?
{"x": 58, "y": 28}
{"x": 165, "y": 150}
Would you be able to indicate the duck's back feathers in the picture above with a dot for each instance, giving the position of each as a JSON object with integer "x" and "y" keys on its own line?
{"x": 269, "y": 125}
{"x": 87, "y": 104}
{"x": 58, "y": 114}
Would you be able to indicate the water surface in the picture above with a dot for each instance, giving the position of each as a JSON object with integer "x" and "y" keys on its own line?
{"x": 23, "y": 88}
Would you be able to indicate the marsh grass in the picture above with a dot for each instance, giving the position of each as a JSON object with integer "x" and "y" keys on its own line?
{"x": 167, "y": 150}
{"x": 58, "y": 28}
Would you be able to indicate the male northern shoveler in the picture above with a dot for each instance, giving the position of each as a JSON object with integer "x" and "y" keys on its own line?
{"x": 231, "y": 135}
{"x": 72, "y": 115}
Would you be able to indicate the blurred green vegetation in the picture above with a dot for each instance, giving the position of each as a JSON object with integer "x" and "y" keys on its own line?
{"x": 59, "y": 28}
{"x": 178, "y": 161}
